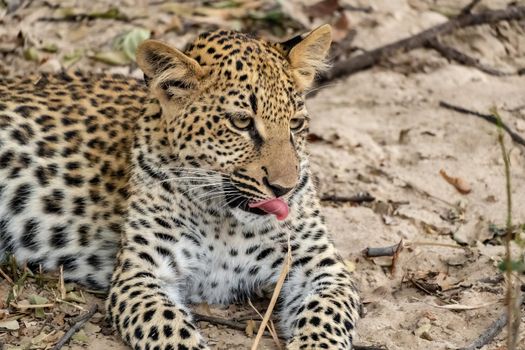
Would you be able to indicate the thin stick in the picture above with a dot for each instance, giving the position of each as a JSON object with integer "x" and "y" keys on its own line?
{"x": 492, "y": 331}
{"x": 61, "y": 284}
{"x": 468, "y": 9}
{"x": 460, "y": 57}
{"x": 358, "y": 198}
{"x": 6, "y": 277}
{"x": 372, "y": 57}
{"x": 435, "y": 244}
{"x": 284, "y": 272}
{"x": 488, "y": 117}
{"x": 270, "y": 327}
{"x": 390, "y": 250}
{"x": 223, "y": 322}
{"x": 78, "y": 323}
{"x": 58, "y": 300}
{"x": 512, "y": 310}
{"x": 31, "y": 306}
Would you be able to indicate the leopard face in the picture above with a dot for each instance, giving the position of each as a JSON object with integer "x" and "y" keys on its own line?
{"x": 235, "y": 105}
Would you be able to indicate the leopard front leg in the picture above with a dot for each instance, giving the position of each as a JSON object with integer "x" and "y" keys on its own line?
{"x": 145, "y": 302}
{"x": 144, "y": 314}
{"x": 320, "y": 304}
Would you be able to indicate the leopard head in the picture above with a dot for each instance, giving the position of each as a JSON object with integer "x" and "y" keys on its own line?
{"x": 234, "y": 104}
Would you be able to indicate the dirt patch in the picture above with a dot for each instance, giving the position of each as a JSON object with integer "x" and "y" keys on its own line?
{"x": 380, "y": 131}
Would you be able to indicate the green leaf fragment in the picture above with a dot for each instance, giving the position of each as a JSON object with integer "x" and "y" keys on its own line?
{"x": 80, "y": 337}
{"x": 50, "y": 47}
{"x": 128, "y": 42}
{"x": 71, "y": 58}
{"x": 225, "y": 4}
{"x": 72, "y": 296}
{"x": 515, "y": 265}
{"x": 31, "y": 54}
{"x": 111, "y": 13}
{"x": 117, "y": 58}
{"x": 37, "y": 300}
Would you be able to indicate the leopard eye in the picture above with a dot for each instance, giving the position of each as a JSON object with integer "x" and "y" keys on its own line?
{"x": 241, "y": 122}
{"x": 297, "y": 124}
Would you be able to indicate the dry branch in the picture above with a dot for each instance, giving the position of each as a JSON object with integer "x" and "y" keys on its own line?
{"x": 372, "y": 57}
{"x": 383, "y": 251}
{"x": 359, "y": 198}
{"x": 492, "y": 331}
{"x": 223, "y": 322}
{"x": 467, "y": 9}
{"x": 454, "y": 55}
{"x": 78, "y": 322}
{"x": 488, "y": 117}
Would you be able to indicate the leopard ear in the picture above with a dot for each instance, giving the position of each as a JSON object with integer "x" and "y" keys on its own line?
{"x": 307, "y": 56}
{"x": 168, "y": 71}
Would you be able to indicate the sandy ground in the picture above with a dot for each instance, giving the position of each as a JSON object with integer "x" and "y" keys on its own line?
{"x": 382, "y": 132}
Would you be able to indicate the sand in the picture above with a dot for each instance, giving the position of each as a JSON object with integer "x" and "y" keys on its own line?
{"x": 382, "y": 131}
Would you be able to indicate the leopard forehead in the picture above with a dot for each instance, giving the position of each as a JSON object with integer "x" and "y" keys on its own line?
{"x": 238, "y": 64}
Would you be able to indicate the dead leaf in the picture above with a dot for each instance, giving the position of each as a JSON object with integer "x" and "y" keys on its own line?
{"x": 59, "y": 319}
{"x": 461, "y": 185}
{"x": 250, "y": 327}
{"x": 423, "y": 331}
{"x": 341, "y": 28}
{"x": 204, "y": 309}
{"x": 323, "y": 8}
{"x": 350, "y": 265}
{"x": 10, "y": 325}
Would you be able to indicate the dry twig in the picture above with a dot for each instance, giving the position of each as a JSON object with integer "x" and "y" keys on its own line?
{"x": 6, "y": 277}
{"x": 492, "y": 331}
{"x": 488, "y": 117}
{"x": 78, "y": 322}
{"x": 278, "y": 286}
{"x": 383, "y": 251}
{"x": 240, "y": 326}
{"x": 359, "y": 198}
{"x": 372, "y": 57}
{"x": 454, "y": 55}
{"x": 467, "y": 9}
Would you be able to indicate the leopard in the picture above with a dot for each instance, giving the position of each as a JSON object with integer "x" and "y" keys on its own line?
{"x": 191, "y": 185}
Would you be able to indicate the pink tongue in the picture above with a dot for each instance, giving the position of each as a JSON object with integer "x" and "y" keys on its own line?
{"x": 275, "y": 206}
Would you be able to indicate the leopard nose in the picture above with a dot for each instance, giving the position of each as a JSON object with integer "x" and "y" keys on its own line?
{"x": 277, "y": 190}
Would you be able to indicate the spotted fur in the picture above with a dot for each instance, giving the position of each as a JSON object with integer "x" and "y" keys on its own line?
{"x": 145, "y": 188}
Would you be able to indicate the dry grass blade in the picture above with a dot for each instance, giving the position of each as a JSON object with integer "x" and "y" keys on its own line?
{"x": 461, "y": 307}
{"x": 279, "y": 285}
{"x": 434, "y": 244}
{"x": 6, "y": 277}
{"x": 31, "y": 306}
{"x": 513, "y": 310}
{"x": 271, "y": 327}
{"x": 61, "y": 284}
